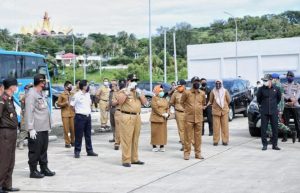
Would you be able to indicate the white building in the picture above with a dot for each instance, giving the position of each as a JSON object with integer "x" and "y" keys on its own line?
{"x": 254, "y": 58}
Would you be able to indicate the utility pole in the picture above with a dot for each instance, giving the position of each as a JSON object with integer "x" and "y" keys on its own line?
{"x": 175, "y": 57}
{"x": 84, "y": 67}
{"x": 165, "y": 55}
{"x": 150, "y": 47}
{"x": 74, "y": 58}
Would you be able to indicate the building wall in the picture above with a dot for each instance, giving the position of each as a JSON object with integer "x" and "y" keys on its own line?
{"x": 254, "y": 58}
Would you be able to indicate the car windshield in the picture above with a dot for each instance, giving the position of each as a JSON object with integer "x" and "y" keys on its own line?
{"x": 296, "y": 79}
{"x": 227, "y": 84}
{"x": 58, "y": 88}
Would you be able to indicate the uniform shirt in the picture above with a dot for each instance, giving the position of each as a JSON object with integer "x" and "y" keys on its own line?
{"x": 176, "y": 101}
{"x": 115, "y": 98}
{"x": 63, "y": 101}
{"x": 93, "y": 90}
{"x": 268, "y": 98}
{"x": 82, "y": 103}
{"x": 291, "y": 90}
{"x": 8, "y": 115}
{"x": 132, "y": 103}
{"x": 103, "y": 93}
{"x": 37, "y": 114}
{"x": 193, "y": 101}
{"x": 159, "y": 106}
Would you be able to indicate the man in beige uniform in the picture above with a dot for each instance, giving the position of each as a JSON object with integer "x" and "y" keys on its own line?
{"x": 103, "y": 95}
{"x": 193, "y": 101}
{"x": 130, "y": 100}
{"x": 179, "y": 110}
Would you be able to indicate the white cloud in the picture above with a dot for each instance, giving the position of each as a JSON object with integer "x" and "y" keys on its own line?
{"x": 111, "y": 16}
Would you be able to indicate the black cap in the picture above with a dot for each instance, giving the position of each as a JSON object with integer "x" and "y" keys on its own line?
{"x": 132, "y": 77}
{"x": 195, "y": 78}
{"x": 37, "y": 79}
{"x": 181, "y": 82}
{"x": 267, "y": 77}
{"x": 290, "y": 73}
{"x": 122, "y": 81}
{"x": 10, "y": 82}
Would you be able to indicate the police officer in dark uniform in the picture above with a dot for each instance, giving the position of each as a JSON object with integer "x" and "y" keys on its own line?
{"x": 268, "y": 97}
{"x": 8, "y": 135}
{"x": 208, "y": 110}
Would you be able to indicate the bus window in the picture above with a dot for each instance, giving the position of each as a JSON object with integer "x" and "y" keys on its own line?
{"x": 19, "y": 60}
{"x": 8, "y": 66}
{"x": 30, "y": 67}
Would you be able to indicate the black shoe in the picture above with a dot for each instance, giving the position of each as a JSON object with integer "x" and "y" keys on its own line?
{"x": 215, "y": 144}
{"x": 46, "y": 171}
{"x": 36, "y": 174}
{"x": 210, "y": 134}
{"x": 225, "y": 144}
{"x": 284, "y": 139}
{"x": 127, "y": 165}
{"x": 264, "y": 148}
{"x": 181, "y": 149}
{"x": 67, "y": 146}
{"x": 111, "y": 141}
{"x": 11, "y": 189}
{"x": 2, "y": 191}
{"x": 294, "y": 136}
{"x": 92, "y": 154}
{"x": 116, "y": 147}
{"x": 77, "y": 155}
{"x": 72, "y": 144}
{"x": 138, "y": 163}
{"x": 275, "y": 148}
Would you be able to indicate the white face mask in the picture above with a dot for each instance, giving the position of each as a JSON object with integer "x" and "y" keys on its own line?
{"x": 266, "y": 83}
{"x": 17, "y": 90}
{"x": 132, "y": 85}
{"x": 105, "y": 83}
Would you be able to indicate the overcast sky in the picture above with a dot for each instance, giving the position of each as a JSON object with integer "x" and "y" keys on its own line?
{"x": 112, "y": 16}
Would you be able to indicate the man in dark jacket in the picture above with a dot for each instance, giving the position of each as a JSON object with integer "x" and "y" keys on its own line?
{"x": 268, "y": 97}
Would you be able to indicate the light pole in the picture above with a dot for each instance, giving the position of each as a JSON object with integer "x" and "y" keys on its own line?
{"x": 74, "y": 57}
{"x": 236, "y": 40}
{"x": 175, "y": 57}
{"x": 84, "y": 66}
{"x": 150, "y": 47}
{"x": 165, "y": 55}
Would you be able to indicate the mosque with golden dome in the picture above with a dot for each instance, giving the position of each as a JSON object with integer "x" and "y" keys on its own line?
{"x": 45, "y": 28}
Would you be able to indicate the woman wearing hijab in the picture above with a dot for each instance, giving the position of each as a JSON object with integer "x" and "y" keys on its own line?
{"x": 158, "y": 119}
{"x": 220, "y": 100}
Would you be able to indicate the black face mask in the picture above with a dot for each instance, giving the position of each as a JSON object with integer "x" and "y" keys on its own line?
{"x": 218, "y": 86}
{"x": 203, "y": 84}
{"x": 69, "y": 88}
{"x": 196, "y": 85}
{"x": 87, "y": 89}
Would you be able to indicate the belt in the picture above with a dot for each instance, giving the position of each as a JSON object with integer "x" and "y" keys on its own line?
{"x": 179, "y": 110}
{"x": 103, "y": 100}
{"x": 130, "y": 113}
{"x": 83, "y": 115}
{"x": 118, "y": 109}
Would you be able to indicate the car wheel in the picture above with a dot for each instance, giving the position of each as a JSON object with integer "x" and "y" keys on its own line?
{"x": 254, "y": 131}
{"x": 149, "y": 99}
{"x": 231, "y": 114}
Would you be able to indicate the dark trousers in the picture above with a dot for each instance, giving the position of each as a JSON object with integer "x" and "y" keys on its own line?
{"x": 93, "y": 99}
{"x": 208, "y": 113}
{"x": 8, "y": 139}
{"x": 83, "y": 126}
{"x": 38, "y": 149}
{"x": 294, "y": 112}
{"x": 112, "y": 120}
{"x": 264, "y": 126}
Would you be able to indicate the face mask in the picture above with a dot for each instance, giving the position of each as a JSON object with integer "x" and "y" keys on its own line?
{"x": 290, "y": 79}
{"x": 45, "y": 86}
{"x": 266, "y": 83}
{"x": 132, "y": 85}
{"x": 203, "y": 84}
{"x": 180, "y": 88}
{"x": 218, "y": 86}
{"x": 106, "y": 83}
{"x": 196, "y": 85}
{"x": 69, "y": 88}
{"x": 161, "y": 94}
{"x": 87, "y": 89}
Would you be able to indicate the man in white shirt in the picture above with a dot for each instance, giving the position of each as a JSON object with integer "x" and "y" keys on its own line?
{"x": 81, "y": 102}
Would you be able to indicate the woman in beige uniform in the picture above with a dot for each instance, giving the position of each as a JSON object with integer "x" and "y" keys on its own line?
{"x": 158, "y": 118}
{"x": 220, "y": 100}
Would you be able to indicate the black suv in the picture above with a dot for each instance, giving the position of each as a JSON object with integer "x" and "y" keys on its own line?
{"x": 240, "y": 94}
{"x": 145, "y": 87}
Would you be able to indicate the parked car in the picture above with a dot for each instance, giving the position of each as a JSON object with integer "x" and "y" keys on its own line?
{"x": 254, "y": 119}
{"x": 56, "y": 91}
{"x": 145, "y": 87}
